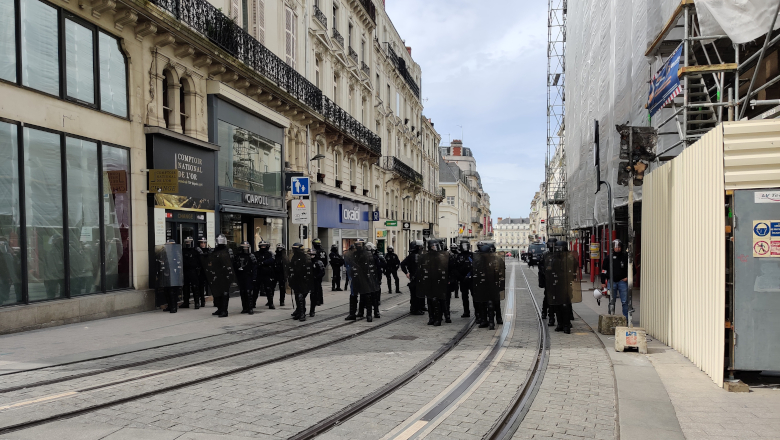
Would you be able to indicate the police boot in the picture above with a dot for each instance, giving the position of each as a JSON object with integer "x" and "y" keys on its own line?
{"x": 311, "y": 309}
{"x": 376, "y": 309}
{"x": 361, "y": 306}
{"x": 431, "y": 313}
{"x": 499, "y": 318}
{"x": 302, "y": 307}
{"x": 352, "y": 309}
{"x": 390, "y": 286}
{"x": 185, "y": 303}
{"x": 244, "y": 305}
{"x": 466, "y": 311}
{"x": 366, "y": 301}
{"x": 203, "y": 296}
{"x": 271, "y": 301}
{"x": 551, "y": 322}
{"x": 490, "y": 316}
{"x": 437, "y": 314}
{"x": 282, "y": 294}
{"x": 447, "y": 314}
{"x": 196, "y": 298}
{"x": 224, "y": 310}
{"x": 217, "y": 302}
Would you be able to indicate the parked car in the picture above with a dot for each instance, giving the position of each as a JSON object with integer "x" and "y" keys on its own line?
{"x": 535, "y": 252}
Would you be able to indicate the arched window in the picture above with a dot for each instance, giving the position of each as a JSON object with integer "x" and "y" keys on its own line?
{"x": 187, "y": 106}
{"x": 352, "y": 173}
{"x": 171, "y": 100}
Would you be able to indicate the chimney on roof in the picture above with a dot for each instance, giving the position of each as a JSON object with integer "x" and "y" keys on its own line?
{"x": 409, "y": 49}
{"x": 499, "y": 219}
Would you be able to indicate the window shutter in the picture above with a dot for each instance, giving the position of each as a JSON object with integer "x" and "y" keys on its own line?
{"x": 260, "y": 21}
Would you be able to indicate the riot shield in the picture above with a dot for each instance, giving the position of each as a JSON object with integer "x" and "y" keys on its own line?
{"x": 364, "y": 271}
{"x": 432, "y": 274}
{"x": 170, "y": 265}
{"x": 218, "y": 269}
{"x": 488, "y": 274}
{"x": 560, "y": 270}
{"x": 299, "y": 271}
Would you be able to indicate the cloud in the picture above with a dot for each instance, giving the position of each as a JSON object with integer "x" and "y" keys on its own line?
{"x": 484, "y": 66}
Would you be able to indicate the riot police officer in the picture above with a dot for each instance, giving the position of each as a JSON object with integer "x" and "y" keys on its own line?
{"x": 381, "y": 264}
{"x": 488, "y": 283}
{"x": 391, "y": 270}
{"x": 266, "y": 272}
{"x": 431, "y": 280}
{"x": 221, "y": 275}
{"x": 318, "y": 272}
{"x": 280, "y": 268}
{"x": 560, "y": 268}
{"x": 547, "y": 309}
{"x": 454, "y": 250}
{"x": 364, "y": 277}
{"x": 321, "y": 255}
{"x": 192, "y": 273}
{"x": 170, "y": 272}
{"x": 336, "y": 262}
{"x": 203, "y": 285}
{"x": 245, "y": 265}
{"x": 300, "y": 278}
{"x": 465, "y": 265}
{"x": 409, "y": 268}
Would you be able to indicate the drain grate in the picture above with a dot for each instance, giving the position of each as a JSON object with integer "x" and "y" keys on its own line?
{"x": 403, "y": 338}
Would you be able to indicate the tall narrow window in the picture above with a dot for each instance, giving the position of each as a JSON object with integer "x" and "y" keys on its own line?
{"x": 289, "y": 31}
{"x": 352, "y": 173}
{"x": 363, "y": 51}
{"x": 184, "y": 112}
{"x": 43, "y": 190}
{"x": 10, "y": 212}
{"x": 317, "y": 72}
{"x": 40, "y": 48}
{"x": 336, "y": 165}
{"x": 7, "y": 41}
{"x": 349, "y": 35}
{"x": 166, "y": 103}
{"x": 260, "y": 5}
{"x": 335, "y": 17}
{"x": 116, "y": 218}
{"x": 83, "y": 216}
{"x": 79, "y": 62}
{"x": 335, "y": 89}
{"x": 398, "y": 104}
{"x": 113, "y": 76}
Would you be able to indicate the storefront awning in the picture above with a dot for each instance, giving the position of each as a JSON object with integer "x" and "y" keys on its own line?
{"x": 252, "y": 211}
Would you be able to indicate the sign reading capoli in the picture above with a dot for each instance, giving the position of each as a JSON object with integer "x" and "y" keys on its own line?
{"x": 256, "y": 199}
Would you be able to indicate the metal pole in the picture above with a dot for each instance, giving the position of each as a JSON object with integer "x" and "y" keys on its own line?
{"x": 686, "y": 45}
{"x": 630, "y": 224}
{"x": 731, "y": 104}
{"x": 612, "y": 298}
{"x": 758, "y": 63}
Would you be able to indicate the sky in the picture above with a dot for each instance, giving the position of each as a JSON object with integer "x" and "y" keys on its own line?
{"x": 484, "y": 66}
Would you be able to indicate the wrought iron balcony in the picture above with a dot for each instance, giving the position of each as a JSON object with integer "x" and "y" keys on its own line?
{"x": 353, "y": 54}
{"x": 400, "y": 65}
{"x": 337, "y": 36}
{"x": 366, "y": 70}
{"x": 392, "y": 163}
{"x": 350, "y": 126}
{"x": 474, "y": 205}
{"x": 228, "y": 35}
{"x": 476, "y": 219}
{"x": 368, "y": 5}
{"x": 320, "y": 16}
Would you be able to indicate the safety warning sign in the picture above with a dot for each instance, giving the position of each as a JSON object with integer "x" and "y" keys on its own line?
{"x": 766, "y": 238}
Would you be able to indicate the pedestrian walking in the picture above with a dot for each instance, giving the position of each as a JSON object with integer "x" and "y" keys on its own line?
{"x": 618, "y": 281}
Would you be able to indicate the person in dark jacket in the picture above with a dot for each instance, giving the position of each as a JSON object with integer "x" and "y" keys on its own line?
{"x": 619, "y": 279}
{"x": 266, "y": 275}
{"x": 245, "y": 265}
{"x": 336, "y": 263}
{"x": 546, "y": 308}
{"x": 280, "y": 261}
{"x": 192, "y": 273}
{"x": 393, "y": 264}
{"x": 381, "y": 267}
{"x": 464, "y": 268}
{"x": 321, "y": 255}
{"x": 409, "y": 268}
{"x": 318, "y": 272}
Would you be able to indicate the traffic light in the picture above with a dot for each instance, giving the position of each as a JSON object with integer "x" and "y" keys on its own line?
{"x": 303, "y": 231}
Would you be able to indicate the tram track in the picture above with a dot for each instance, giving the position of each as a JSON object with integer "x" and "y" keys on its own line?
{"x": 188, "y": 383}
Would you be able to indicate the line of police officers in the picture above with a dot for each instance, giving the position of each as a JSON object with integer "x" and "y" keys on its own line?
{"x": 433, "y": 272}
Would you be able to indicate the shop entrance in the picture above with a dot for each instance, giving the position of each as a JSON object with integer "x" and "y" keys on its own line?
{"x": 178, "y": 231}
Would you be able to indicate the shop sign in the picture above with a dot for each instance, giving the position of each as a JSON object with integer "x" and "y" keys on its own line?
{"x": 407, "y": 226}
{"x": 767, "y": 196}
{"x": 595, "y": 250}
{"x": 163, "y": 181}
{"x": 349, "y": 214}
{"x": 426, "y": 232}
{"x": 300, "y": 212}
{"x": 255, "y": 199}
{"x": 375, "y": 216}
{"x": 381, "y": 234}
{"x": 391, "y": 223}
{"x": 193, "y": 169}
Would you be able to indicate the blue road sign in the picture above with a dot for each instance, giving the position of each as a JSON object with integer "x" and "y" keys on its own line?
{"x": 375, "y": 216}
{"x": 300, "y": 186}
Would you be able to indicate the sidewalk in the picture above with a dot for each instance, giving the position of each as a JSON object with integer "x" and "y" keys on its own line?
{"x": 664, "y": 395}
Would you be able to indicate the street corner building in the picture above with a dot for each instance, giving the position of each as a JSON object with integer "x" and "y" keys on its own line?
{"x": 228, "y": 101}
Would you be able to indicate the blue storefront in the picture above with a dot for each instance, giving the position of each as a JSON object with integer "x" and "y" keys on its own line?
{"x": 341, "y": 221}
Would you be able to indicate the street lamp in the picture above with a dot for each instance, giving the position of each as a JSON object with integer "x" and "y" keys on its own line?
{"x": 318, "y": 157}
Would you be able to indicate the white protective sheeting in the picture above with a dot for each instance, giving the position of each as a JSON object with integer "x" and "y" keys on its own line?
{"x": 741, "y": 20}
{"x": 607, "y": 78}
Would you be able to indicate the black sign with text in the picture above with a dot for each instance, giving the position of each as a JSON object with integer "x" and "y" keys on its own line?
{"x": 195, "y": 168}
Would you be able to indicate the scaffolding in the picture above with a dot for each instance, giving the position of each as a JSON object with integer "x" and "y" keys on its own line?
{"x": 555, "y": 164}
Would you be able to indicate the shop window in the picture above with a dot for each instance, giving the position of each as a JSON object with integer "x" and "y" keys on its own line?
{"x": 40, "y": 54}
{"x": 113, "y": 76}
{"x": 248, "y": 161}
{"x": 79, "y": 62}
{"x": 7, "y": 40}
{"x": 44, "y": 219}
{"x": 168, "y": 96}
{"x": 116, "y": 217}
{"x": 10, "y": 216}
{"x": 185, "y": 99}
{"x": 83, "y": 216}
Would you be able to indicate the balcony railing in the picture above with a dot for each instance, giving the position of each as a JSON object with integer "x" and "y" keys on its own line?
{"x": 353, "y": 54}
{"x": 476, "y": 219}
{"x": 400, "y": 65}
{"x": 350, "y": 126}
{"x": 210, "y": 22}
{"x": 337, "y": 36}
{"x": 474, "y": 205}
{"x": 368, "y": 5}
{"x": 392, "y": 163}
{"x": 366, "y": 70}
{"x": 320, "y": 16}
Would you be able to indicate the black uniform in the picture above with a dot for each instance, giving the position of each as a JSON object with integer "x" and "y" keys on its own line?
{"x": 464, "y": 264}
{"x": 245, "y": 265}
{"x": 365, "y": 284}
{"x": 391, "y": 270}
{"x": 193, "y": 277}
{"x": 280, "y": 268}
{"x": 266, "y": 277}
{"x": 218, "y": 265}
{"x": 170, "y": 272}
{"x": 431, "y": 281}
{"x": 318, "y": 272}
{"x": 381, "y": 266}
{"x": 336, "y": 263}
{"x": 560, "y": 267}
{"x": 319, "y": 255}
{"x": 409, "y": 266}
{"x": 488, "y": 285}
{"x": 300, "y": 278}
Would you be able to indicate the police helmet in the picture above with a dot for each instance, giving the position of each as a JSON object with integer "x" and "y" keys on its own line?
{"x": 246, "y": 247}
{"x": 433, "y": 245}
{"x": 316, "y": 242}
{"x": 390, "y": 249}
{"x": 264, "y": 245}
{"x": 352, "y": 247}
{"x": 221, "y": 239}
{"x": 370, "y": 246}
{"x": 297, "y": 246}
{"x": 334, "y": 247}
{"x": 561, "y": 246}
{"x": 189, "y": 242}
{"x": 360, "y": 242}
{"x": 170, "y": 241}
{"x": 617, "y": 243}
{"x": 454, "y": 248}
{"x": 486, "y": 246}
{"x": 415, "y": 245}
{"x": 551, "y": 243}
{"x": 202, "y": 241}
